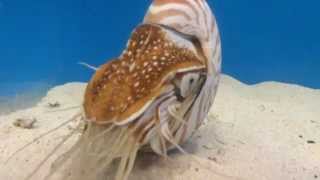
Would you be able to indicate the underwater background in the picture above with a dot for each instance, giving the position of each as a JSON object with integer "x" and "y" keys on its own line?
{"x": 42, "y": 41}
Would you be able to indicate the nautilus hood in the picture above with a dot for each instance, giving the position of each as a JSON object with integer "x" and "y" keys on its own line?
{"x": 122, "y": 89}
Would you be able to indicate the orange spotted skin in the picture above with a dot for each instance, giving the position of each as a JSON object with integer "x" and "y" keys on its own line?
{"x": 125, "y": 85}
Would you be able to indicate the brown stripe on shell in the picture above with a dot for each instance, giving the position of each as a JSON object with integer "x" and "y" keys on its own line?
{"x": 205, "y": 14}
{"x": 161, "y": 2}
{"x": 153, "y": 18}
{"x": 164, "y": 14}
{"x": 124, "y": 86}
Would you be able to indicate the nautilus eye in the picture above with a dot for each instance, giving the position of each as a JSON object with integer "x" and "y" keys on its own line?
{"x": 189, "y": 83}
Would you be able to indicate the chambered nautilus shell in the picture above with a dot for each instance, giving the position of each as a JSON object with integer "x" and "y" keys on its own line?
{"x": 154, "y": 96}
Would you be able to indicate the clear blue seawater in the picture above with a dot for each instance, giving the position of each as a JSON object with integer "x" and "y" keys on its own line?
{"x": 42, "y": 41}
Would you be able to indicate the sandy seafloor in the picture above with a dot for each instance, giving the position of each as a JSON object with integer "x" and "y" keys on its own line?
{"x": 268, "y": 131}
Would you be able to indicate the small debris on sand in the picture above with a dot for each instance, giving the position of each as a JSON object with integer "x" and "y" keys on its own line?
{"x": 213, "y": 159}
{"x": 208, "y": 146}
{"x": 262, "y": 108}
{"x": 25, "y": 123}
{"x": 54, "y": 104}
{"x": 311, "y": 142}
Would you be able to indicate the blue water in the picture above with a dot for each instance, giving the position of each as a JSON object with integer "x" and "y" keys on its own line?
{"x": 41, "y": 41}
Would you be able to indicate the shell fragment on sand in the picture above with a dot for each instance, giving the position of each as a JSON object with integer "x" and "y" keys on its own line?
{"x": 25, "y": 123}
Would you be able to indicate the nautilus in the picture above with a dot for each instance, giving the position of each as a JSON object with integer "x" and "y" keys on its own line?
{"x": 154, "y": 96}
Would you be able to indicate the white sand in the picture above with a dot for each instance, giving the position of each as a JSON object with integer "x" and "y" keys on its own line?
{"x": 258, "y": 132}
